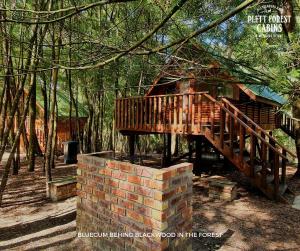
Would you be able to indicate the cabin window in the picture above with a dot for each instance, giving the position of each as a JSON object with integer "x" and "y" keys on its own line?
{"x": 171, "y": 89}
{"x": 225, "y": 91}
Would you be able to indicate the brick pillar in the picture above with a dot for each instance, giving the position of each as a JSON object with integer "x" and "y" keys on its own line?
{"x": 118, "y": 198}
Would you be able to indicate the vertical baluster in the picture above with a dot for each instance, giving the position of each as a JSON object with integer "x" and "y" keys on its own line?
{"x": 186, "y": 110}
{"x": 175, "y": 127}
{"x": 242, "y": 141}
{"x": 141, "y": 113}
{"x": 231, "y": 134}
{"x": 276, "y": 176}
{"x": 155, "y": 114}
{"x": 189, "y": 110}
{"x": 283, "y": 167}
{"x": 180, "y": 104}
{"x": 252, "y": 152}
{"x": 126, "y": 112}
{"x": 146, "y": 113}
{"x": 193, "y": 113}
{"x": 200, "y": 112}
{"x": 264, "y": 163}
{"x": 137, "y": 112}
{"x": 159, "y": 113}
{"x": 150, "y": 112}
{"x": 271, "y": 152}
{"x": 222, "y": 127}
{"x": 170, "y": 112}
{"x": 165, "y": 112}
{"x": 212, "y": 114}
{"x": 121, "y": 113}
{"x": 129, "y": 113}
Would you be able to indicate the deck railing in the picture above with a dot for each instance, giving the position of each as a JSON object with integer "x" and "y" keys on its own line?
{"x": 263, "y": 133}
{"x": 287, "y": 123}
{"x": 176, "y": 113}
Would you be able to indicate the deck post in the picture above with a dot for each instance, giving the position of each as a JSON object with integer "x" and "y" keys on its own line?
{"x": 167, "y": 153}
{"x": 169, "y": 145}
{"x": 190, "y": 146}
{"x": 131, "y": 142}
{"x": 197, "y": 163}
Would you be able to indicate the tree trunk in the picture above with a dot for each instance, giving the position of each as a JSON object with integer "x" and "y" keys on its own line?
{"x": 32, "y": 114}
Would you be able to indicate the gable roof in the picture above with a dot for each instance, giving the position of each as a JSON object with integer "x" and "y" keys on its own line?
{"x": 266, "y": 92}
{"x": 251, "y": 81}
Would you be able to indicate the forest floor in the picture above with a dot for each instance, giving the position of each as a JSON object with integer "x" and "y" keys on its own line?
{"x": 28, "y": 221}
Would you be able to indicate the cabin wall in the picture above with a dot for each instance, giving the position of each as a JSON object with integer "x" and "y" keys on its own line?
{"x": 63, "y": 131}
{"x": 63, "y": 128}
{"x": 261, "y": 113}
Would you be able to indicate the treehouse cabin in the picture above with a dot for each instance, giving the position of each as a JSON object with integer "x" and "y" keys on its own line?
{"x": 66, "y": 129}
{"x": 213, "y": 99}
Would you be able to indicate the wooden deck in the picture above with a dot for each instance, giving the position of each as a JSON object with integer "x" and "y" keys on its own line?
{"x": 178, "y": 113}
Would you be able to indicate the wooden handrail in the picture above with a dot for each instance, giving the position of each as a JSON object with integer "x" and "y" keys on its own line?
{"x": 165, "y": 95}
{"x": 258, "y": 127}
{"x": 246, "y": 126}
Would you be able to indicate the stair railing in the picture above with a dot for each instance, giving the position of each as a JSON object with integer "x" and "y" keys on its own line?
{"x": 257, "y": 128}
{"x": 233, "y": 124}
{"x": 287, "y": 123}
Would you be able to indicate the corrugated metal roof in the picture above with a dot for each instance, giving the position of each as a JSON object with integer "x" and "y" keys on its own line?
{"x": 266, "y": 92}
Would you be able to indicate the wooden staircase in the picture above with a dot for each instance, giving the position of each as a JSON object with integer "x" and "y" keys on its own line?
{"x": 287, "y": 124}
{"x": 250, "y": 148}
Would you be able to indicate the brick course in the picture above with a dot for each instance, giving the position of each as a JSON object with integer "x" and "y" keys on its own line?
{"x": 119, "y": 197}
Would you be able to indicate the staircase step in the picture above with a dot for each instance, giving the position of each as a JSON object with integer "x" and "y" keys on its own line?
{"x": 226, "y": 135}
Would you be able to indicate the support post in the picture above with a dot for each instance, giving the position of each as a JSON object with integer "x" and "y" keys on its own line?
{"x": 131, "y": 142}
{"x": 197, "y": 163}
{"x": 169, "y": 152}
{"x": 190, "y": 146}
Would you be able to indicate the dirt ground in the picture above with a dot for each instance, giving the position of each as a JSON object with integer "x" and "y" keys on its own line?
{"x": 28, "y": 221}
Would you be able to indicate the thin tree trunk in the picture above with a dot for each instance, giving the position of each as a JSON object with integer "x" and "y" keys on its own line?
{"x": 32, "y": 134}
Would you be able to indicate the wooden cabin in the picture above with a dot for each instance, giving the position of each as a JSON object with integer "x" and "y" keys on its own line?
{"x": 204, "y": 97}
{"x": 64, "y": 131}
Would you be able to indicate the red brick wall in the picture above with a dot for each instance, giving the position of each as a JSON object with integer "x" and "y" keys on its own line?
{"x": 119, "y": 197}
